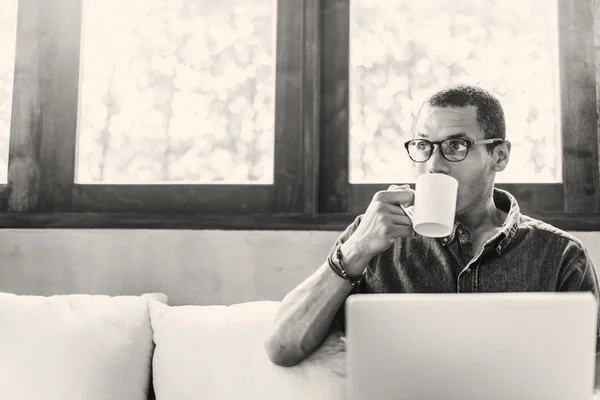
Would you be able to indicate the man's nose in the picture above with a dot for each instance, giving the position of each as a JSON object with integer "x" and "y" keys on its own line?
{"x": 437, "y": 163}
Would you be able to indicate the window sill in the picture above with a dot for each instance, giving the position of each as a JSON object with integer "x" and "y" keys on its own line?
{"x": 321, "y": 222}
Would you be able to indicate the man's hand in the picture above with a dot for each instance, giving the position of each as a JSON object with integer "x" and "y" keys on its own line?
{"x": 384, "y": 221}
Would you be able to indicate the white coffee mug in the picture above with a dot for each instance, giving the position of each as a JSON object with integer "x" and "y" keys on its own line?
{"x": 435, "y": 205}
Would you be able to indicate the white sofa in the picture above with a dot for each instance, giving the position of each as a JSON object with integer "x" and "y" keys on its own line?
{"x": 93, "y": 347}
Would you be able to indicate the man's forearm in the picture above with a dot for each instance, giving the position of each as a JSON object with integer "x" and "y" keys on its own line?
{"x": 305, "y": 316}
{"x": 306, "y": 313}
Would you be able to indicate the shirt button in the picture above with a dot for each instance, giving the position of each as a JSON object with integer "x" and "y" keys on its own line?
{"x": 468, "y": 271}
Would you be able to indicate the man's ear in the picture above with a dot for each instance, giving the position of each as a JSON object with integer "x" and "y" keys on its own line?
{"x": 501, "y": 156}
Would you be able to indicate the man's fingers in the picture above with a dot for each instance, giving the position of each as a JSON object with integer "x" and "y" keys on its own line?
{"x": 407, "y": 231}
{"x": 403, "y": 231}
{"x": 401, "y": 220}
{"x": 397, "y": 196}
{"x": 393, "y": 209}
{"x": 399, "y": 187}
{"x": 397, "y": 211}
{"x": 402, "y": 187}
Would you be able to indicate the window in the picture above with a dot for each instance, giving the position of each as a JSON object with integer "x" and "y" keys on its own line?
{"x": 177, "y": 92}
{"x": 401, "y": 51}
{"x": 561, "y": 176}
{"x": 282, "y": 114}
{"x": 128, "y": 139}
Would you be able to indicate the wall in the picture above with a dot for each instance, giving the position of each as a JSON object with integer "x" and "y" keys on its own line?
{"x": 192, "y": 267}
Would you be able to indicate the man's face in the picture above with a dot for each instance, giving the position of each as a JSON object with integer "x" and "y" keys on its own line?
{"x": 475, "y": 174}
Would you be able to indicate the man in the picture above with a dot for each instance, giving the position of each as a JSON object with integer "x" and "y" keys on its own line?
{"x": 460, "y": 131}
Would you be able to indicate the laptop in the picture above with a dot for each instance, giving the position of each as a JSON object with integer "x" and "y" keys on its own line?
{"x": 492, "y": 346}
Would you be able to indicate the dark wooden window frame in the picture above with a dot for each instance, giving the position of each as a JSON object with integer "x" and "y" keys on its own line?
{"x": 311, "y": 188}
{"x": 571, "y": 205}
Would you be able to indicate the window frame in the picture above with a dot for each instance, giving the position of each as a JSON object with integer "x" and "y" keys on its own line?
{"x": 577, "y": 195}
{"x": 45, "y": 121}
{"x": 311, "y": 188}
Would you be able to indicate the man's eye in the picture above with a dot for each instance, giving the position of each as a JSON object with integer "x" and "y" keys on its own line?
{"x": 422, "y": 146}
{"x": 457, "y": 145}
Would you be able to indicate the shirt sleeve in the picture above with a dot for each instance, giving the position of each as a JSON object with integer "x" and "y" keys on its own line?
{"x": 580, "y": 275}
{"x": 339, "y": 321}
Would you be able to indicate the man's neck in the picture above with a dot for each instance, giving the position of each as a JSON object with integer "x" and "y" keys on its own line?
{"x": 483, "y": 217}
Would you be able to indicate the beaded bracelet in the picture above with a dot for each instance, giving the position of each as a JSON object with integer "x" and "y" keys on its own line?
{"x": 336, "y": 263}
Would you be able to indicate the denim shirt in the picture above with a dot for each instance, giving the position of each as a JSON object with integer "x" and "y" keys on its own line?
{"x": 526, "y": 255}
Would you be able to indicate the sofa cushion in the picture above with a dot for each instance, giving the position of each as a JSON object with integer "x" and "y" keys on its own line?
{"x": 74, "y": 347}
{"x": 217, "y": 352}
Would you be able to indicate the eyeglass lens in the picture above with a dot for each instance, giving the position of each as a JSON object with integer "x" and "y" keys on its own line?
{"x": 453, "y": 149}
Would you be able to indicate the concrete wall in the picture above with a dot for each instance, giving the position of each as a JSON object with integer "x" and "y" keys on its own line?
{"x": 192, "y": 267}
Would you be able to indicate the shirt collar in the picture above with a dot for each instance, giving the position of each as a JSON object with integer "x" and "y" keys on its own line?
{"x": 504, "y": 201}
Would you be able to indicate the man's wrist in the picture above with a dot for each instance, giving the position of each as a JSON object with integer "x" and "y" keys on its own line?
{"x": 355, "y": 259}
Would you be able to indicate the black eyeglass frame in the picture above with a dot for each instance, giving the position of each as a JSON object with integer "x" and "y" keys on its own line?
{"x": 469, "y": 144}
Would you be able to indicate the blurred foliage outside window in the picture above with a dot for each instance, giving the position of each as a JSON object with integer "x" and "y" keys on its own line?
{"x": 182, "y": 91}
{"x": 177, "y": 91}
{"x": 8, "y": 35}
{"x": 402, "y": 51}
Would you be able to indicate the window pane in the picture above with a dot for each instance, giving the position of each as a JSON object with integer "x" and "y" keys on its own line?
{"x": 8, "y": 35}
{"x": 177, "y": 91}
{"x": 402, "y": 51}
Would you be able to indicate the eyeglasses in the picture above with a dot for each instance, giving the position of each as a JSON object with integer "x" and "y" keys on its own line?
{"x": 453, "y": 150}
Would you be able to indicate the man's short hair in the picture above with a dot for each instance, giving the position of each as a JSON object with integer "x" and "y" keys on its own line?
{"x": 490, "y": 115}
